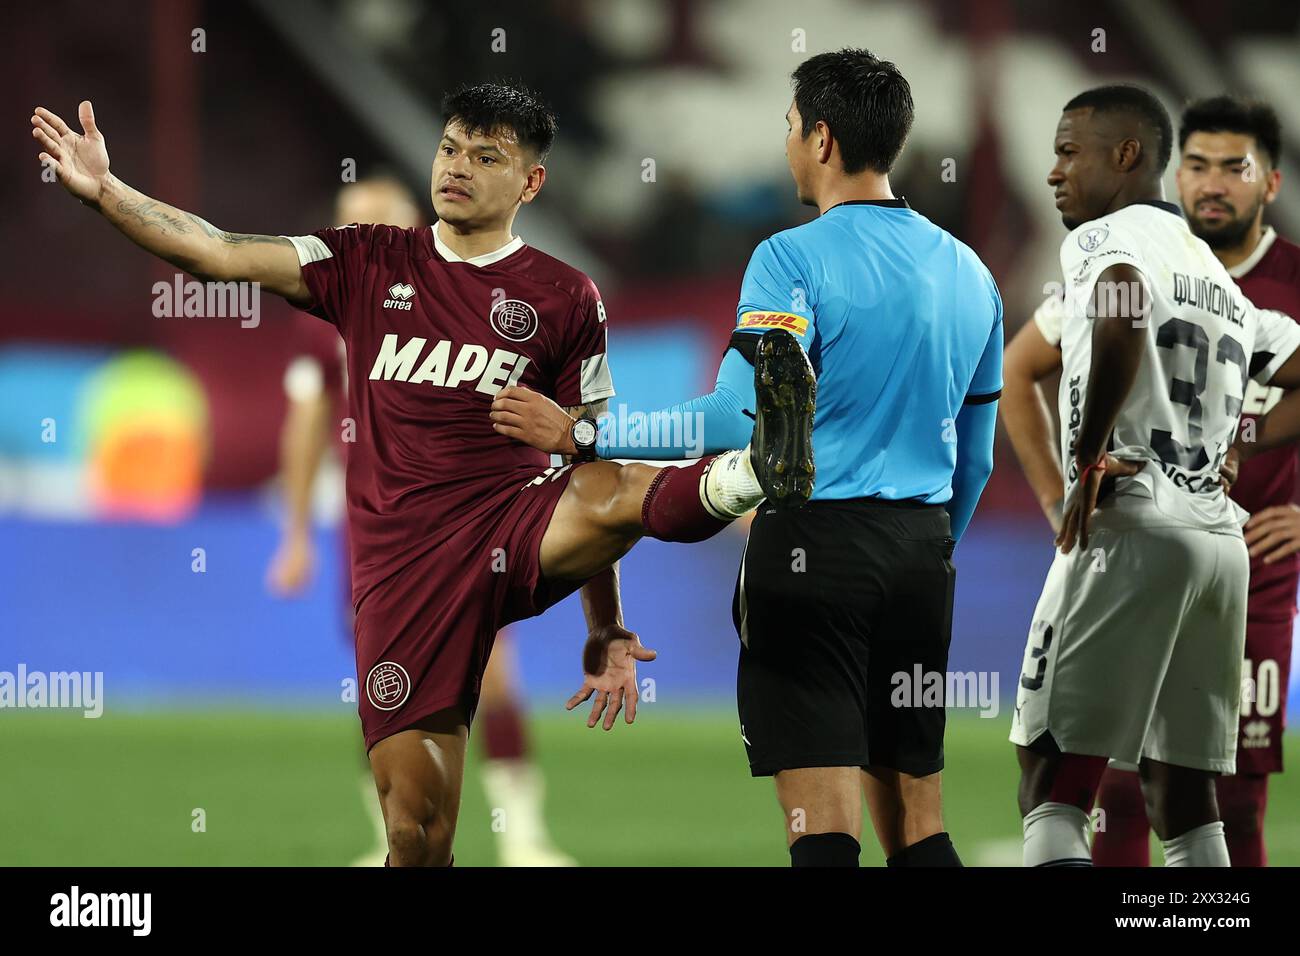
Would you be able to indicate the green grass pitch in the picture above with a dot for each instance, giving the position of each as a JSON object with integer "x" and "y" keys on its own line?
{"x": 286, "y": 789}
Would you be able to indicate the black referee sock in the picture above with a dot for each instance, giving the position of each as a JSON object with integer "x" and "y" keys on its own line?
{"x": 825, "y": 849}
{"x": 934, "y": 850}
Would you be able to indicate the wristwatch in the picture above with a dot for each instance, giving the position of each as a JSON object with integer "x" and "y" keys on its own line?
{"x": 583, "y": 433}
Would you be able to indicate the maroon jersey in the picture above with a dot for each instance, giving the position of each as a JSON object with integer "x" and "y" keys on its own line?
{"x": 431, "y": 338}
{"x": 1270, "y": 277}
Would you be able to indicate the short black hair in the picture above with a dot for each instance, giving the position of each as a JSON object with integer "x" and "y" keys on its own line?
{"x": 488, "y": 107}
{"x": 1234, "y": 114}
{"x": 865, "y": 101}
{"x": 1136, "y": 101}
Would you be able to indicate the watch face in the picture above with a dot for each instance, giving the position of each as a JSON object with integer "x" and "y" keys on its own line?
{"x": 584, "y": 432}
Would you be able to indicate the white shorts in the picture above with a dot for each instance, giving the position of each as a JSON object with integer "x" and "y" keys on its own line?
{"x": 1136, "y": 647}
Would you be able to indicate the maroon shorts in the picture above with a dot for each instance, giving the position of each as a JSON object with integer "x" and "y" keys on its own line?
{"x": 1263, "y": 712}
{"x": 424, "y": 634}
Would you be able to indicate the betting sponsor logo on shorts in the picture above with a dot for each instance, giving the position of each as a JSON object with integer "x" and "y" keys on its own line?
{"x": 514, "y": 320}
{"x": 388, "y": 685}
{"x": 774, "y": 320}
{"x": 399, "y": 297}
{"x": 959, "y": 689}
{"x": 56, "y": 690}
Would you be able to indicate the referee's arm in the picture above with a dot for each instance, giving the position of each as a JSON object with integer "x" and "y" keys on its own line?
{"x": 975, "y": 425}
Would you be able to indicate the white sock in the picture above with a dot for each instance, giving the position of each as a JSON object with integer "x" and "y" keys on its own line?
{"x": 729, "y": 488}
{"x": 1203, "y": 846}
{"x": 515, "y": 792}
{"x": 1056, "y": 834}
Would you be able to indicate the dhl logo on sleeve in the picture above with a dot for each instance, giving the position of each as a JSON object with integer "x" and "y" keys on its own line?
{"x": 774, "y": 320}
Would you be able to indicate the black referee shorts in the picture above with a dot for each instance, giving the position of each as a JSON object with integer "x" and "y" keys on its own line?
{"x": 833, "y": 601}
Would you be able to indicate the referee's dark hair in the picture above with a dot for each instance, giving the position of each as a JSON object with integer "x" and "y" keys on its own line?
{"x": 1137, "y": 103}
{"x": 865, "y": 101}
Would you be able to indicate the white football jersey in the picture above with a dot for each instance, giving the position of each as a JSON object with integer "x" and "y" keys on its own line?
{"x": 1205, "y": 341}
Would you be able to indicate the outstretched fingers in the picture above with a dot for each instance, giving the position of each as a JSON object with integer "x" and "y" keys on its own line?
{"x": 60, "y": 127}
{"x": 597, "y": 705}
{"x": 615, "y": 705}
{"x": 48, "y": 143}
{"x": 579, "y": 697}
{"x": 44, "y": 126}
{"x": 630, "y": 694}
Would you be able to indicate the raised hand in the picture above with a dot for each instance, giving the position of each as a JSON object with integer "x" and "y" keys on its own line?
{"x": 609, "y": 672}
{"x": 80, "y": 160}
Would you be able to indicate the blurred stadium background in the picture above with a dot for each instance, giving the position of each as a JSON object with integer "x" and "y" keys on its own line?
{"x": 165, "y": 429}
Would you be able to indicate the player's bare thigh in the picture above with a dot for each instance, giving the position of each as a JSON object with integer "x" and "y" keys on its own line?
{"x": 596, "y": 521}
{"x": 418, "y": 773}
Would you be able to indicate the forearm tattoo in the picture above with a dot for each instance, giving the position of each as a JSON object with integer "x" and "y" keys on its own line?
{"x": 152, "y": 214}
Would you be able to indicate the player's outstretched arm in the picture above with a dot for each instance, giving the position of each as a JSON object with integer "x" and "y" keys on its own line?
{"x": 80, "y": 161}
{"x": 1029, "y": 359}
{"x": 611, "y": 653}
{"x": 610, "y": 656}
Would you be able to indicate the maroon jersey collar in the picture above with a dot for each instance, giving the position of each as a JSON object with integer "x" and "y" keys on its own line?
{"x": 487, "y": 259}
{"x": 1260, "y": 251}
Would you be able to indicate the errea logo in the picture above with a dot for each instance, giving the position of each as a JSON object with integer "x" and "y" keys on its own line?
{"x": 400, "y": 296}
{"x": 1255, "y": 735}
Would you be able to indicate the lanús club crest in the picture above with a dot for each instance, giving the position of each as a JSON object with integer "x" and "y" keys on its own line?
{"x": 388, "y": 685}
{"x": 514, "y": 320}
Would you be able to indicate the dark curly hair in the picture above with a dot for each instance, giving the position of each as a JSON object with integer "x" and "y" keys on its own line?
{"x": 488, "y": 107}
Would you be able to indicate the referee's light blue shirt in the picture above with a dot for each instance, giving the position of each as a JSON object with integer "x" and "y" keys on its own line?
{"x": 902, "y": 323}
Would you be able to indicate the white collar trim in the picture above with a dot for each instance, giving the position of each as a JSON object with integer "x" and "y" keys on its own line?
{"x": 444, "y": 250}
{"x": 1261, "y": 249}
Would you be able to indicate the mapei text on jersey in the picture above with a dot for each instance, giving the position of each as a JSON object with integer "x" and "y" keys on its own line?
{"x": 494, "y": 371}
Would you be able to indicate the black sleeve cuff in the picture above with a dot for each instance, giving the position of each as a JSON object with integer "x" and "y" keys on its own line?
{"x": 746, "y": 343}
